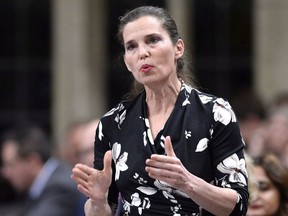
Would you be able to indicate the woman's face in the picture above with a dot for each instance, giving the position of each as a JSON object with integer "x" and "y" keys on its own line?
{"x": 149, "y": 52}
{"x": 267, "y": 196}
{"x": 277, "y": 136}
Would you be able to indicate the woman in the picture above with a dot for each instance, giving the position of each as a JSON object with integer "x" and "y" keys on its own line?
{"x": 175, "y": 150}
{"x": 271, "y": 194}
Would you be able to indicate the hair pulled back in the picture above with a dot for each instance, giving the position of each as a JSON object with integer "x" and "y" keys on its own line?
{"x": 169, "y": 25}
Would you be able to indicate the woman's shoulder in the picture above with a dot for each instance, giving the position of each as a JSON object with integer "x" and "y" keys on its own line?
{"x": 196, "y": 96}
{"x": 209, "y": 102}
{"x": 120, "y": 109}
{"x": 205, "y": 97}
{"x": 219, "y": 107}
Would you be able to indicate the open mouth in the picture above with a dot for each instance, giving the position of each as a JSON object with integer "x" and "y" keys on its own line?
{"x": 145, "y": 68}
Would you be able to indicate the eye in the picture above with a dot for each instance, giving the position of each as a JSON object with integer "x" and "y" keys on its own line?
{"x": 154, "y": 39}
{"x": 130, "y": 47}
{"x": 263, "y": 186}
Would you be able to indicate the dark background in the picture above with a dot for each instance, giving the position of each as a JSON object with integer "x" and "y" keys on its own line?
{"x": 222, "y": 56}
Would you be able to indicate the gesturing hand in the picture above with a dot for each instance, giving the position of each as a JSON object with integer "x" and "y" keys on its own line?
{"x": 168, "y": 168}
{"x": 94, "y": 183}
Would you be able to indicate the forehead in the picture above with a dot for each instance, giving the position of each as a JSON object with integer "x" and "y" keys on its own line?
{"x": 260, "y": 173}
{"x": 9, "y": 150}
{"x": 143, "y": 26}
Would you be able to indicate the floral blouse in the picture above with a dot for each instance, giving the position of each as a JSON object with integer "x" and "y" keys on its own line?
{"x": 205, "y": 137}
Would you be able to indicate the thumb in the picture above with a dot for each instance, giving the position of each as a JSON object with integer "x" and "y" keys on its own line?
{"x": 168, "y": 147}
{"x": 107, "y": 162}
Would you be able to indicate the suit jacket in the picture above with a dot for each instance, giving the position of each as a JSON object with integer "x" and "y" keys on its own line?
{"x": 58, "y": 197}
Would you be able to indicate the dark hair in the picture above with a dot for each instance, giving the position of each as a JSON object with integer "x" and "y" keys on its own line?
{"x": 278, "y": 174}
{"x": 29, "y": 140}
{"x": 170, "y": 26}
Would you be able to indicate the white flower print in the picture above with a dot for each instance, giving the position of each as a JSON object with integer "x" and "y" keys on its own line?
{"x": 145, "y": 139}
{"x": 147, "y": 190}
{"x": 149, "y": 133}
{"x": 127, "y": 206}
{"x": 211, "y": 131}
{"x": 202, "y": 145}
{"x": 223, "y": 112}
{"x": 187, "y": 92}
{"x": 205, "y": 99}
{"x": 111, "y": 112}
{"x": 224, "y": 183}
{"x": 120, "y": 118}
{"x": 145, "y": 204}
{"x": 175, "y": 209}
{"x": 235, "y": 168}
{"x": 136, "y": 201}
{"x": 162, "y": 142}
{"x": 169, "y": 196}
{"x": 165, "y": 187}
{"x": 186, "y": 87}
{"x": 140, "y": 179}
{"x": 120, "y": 161}
{"x": 186, "y": 101}
{"x": 120, "y": 107}
{"x": 187, "y": 134}
{"x": 100, "y": 133}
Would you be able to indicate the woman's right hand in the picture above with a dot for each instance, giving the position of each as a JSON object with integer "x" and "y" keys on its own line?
{"x": 94, "y": 183}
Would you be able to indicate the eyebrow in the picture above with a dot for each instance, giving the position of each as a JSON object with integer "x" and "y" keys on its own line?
{"x": 146, "y": 36}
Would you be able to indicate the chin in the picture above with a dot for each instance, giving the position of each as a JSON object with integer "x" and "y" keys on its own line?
{"x": 255, "y": 213}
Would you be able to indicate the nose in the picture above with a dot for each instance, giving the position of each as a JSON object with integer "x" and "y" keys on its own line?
{"x": 143, "y": 52}
{"x": 254, "y": 195}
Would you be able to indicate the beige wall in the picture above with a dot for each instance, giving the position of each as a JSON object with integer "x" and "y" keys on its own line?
{"x": 79, "y": 55}
{"x": 183, "y": 15}
{"x": 270, "y": 47}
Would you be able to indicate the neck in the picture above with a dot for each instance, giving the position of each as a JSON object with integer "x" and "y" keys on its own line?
{"x": 163, "y": 99}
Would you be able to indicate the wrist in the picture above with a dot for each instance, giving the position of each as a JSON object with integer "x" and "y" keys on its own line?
{"x": 93, "y": 207}
{"x": 98, "y": 203}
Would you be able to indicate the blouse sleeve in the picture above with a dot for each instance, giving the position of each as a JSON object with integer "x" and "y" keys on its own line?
{"x": 102, "y": 145}
{"x": 231, "y": 173}
{"x": 227, "y": 150}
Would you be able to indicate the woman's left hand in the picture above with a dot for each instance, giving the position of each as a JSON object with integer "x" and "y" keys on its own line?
{"x": 168, "y": 168}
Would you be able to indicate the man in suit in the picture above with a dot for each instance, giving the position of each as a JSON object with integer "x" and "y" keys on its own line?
{"x": 79, "y": 148}
{"x": 33, "y": 171}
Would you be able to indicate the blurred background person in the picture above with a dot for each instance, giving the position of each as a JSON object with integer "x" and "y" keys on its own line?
{"x": 276, "y": 133}
{"x": 72, "y": 138}
{"x": 281, "y": 99}
{"x": 251, "y": 113}
{"x": 270, "y": 197}
{"x": 43, "y": 180}
{"x": 79, "y": 148}
{"x": 252, "y": 182}
{"x": 78, "y": 142}
{"x": 85, "y": 149}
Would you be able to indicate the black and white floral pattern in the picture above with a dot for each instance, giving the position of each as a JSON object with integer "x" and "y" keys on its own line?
{"x": 205, "y": 136}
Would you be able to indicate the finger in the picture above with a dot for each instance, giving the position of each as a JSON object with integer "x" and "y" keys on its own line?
{"x": 168, "y": 147}
{"x": 79, "y": 177}
{"x": 107, "y": 162}
{"x": 83, "y": 190}
{"x": 84, "y": 168}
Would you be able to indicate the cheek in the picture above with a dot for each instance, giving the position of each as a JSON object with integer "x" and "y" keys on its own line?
{"x": 272, "y": 199}
{"x": 128, "y": 59}
{"x": 165, "y": 53}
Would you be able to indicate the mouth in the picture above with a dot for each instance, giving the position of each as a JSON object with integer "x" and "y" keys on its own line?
{"x": 146, "y": 68}
{"x": 255, "y": 207}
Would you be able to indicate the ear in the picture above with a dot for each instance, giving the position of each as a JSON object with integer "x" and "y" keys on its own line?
{"x": 179, "y": 49}
{"x": 34, "y": 158}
